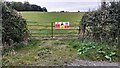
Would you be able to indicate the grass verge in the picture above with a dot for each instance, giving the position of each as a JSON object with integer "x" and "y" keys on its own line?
{"x": 96, "y": 51}
{"x": 41, "y": 53}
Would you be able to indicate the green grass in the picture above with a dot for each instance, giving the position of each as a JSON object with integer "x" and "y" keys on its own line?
{"x": 56, "y": 32}
{"x": 39, "y": 23}
{"x": 39, "y": 52}
{"x": 42, "y": 53}
{"x": 45, "y": 18}
{"x": 55, "y": 52}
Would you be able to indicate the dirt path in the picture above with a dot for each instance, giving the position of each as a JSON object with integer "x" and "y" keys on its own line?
{"x": 78, "y": 62}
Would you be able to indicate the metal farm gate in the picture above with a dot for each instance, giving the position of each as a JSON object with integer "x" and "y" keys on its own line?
{"x": 44, "y": 32}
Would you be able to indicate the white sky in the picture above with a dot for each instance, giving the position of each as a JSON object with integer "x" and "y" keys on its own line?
{"x": 66, "y": 5}
{"x": 57, "y": 0}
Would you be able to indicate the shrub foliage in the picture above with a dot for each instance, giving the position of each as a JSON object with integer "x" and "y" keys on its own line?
{"x": 14, "y": 28}
{"x": 103, "y": 24}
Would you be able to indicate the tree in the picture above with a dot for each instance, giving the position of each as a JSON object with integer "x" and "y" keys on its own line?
{"x": 27, "y": 6}
{"x": 36, "y": 8}
{"x": 44, "y": 9}
{"x": 103, "y": 4}
{"x": 17, "y": 6}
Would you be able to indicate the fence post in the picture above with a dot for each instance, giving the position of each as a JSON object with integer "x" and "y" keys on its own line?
{"x": 79, "y": 30}
{"x": 79, "y": 33}
{"x": 52, "y": 29}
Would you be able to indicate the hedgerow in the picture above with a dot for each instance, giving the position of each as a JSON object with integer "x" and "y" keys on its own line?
{"x": 14, "y": 27}
{"x": 103, "y": 25}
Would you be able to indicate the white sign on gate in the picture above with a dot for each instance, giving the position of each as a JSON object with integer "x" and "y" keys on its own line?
{"x": 62, "y": 25}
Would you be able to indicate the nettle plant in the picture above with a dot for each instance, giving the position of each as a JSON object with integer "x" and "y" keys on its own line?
{"x": 14, "y": 29}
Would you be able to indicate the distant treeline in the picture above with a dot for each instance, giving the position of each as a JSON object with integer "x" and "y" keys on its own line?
{"x": 26, "y": 6}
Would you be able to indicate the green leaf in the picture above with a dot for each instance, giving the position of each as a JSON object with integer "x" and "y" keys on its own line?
{"x": 101, "y": 52}
{"x": 108, "y": 57}
{"x": 112, "y": 53}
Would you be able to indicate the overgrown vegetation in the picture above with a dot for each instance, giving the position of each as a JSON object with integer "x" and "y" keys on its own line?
{"x": 103, "y": 25}
{"x": 14, "y": 27}
{"x": 40, "y": 53}
{"x": 95, "y": 51}
{"x": 102, "y": 30}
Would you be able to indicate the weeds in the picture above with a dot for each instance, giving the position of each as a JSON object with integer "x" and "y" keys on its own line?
{"x": 93, "y": 50}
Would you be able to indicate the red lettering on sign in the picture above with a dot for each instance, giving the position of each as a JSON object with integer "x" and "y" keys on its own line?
{"x": 57, "y": 25}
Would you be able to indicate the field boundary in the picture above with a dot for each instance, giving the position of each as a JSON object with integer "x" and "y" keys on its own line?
{"x": 50, "y": 32}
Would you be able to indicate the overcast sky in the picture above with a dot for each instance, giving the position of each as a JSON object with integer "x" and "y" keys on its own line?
{"x": 66, "y": 5}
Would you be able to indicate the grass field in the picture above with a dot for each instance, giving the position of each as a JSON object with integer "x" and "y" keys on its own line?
{"x": 39, "y": 23}
{"x": 43, "y": 18}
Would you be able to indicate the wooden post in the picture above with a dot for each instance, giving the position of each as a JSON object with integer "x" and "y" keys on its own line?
{"x": 52, "y": 29}
{"x": 79, "y": 32}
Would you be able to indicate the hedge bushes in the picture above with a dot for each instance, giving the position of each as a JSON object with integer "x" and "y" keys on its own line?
{"x": 104, "y": 24}
{"x": 14, "y": 28}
